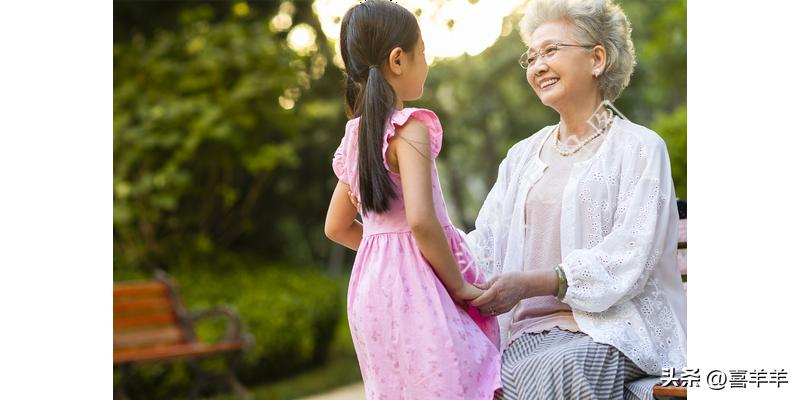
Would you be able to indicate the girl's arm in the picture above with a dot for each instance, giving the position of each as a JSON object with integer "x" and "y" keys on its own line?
{"x": 410, "y": 153}
{"x": 341, "y": 225}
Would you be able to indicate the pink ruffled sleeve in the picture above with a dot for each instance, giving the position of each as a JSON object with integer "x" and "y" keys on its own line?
{"x": 338, "y": 162}
{"x": 340, "y": 156}
{"x": 427, "y": 117}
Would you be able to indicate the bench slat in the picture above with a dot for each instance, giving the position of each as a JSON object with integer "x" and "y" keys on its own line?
{"x": 148, "y": 338}
{"x": 142, "y": 306}
{"x": 165, "y": 353}
{"x": 669, "y": 391}
{"x": 134, "y": 289}
{"x": 138, "y": 321}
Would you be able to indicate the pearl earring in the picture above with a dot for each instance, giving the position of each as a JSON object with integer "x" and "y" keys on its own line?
{"x": 596, "y": 73}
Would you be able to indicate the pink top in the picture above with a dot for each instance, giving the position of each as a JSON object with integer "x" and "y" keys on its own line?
{"x": 543, "y": 240}
{"x": 411, "y": 339}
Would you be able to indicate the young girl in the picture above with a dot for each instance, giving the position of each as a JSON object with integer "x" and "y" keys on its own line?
{"x": 407, "y": 304}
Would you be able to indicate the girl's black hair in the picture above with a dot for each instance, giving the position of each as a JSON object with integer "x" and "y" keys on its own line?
{"x": 370, "y": 31}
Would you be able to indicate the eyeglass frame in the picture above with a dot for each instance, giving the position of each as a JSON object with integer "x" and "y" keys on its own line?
{"x": 523, "y": 58}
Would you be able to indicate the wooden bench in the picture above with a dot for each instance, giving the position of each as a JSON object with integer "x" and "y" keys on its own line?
{"x": 151, "y": 325}
{"x": 669, "y": 392}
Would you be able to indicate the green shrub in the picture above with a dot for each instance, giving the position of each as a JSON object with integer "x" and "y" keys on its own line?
{"x": 672, "y": 128}
{"x": 291, "y": 311}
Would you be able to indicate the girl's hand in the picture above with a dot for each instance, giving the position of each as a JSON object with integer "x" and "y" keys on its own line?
{"x": 468, "y": 292}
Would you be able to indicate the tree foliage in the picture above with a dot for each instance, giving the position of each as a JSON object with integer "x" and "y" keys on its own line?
{"x": 223, "y": 134}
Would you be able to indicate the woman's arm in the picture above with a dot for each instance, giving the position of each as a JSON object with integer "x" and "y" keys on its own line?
{"x": 412, "y": 150}
{"x": 504, "y": 291}
{"x": 341, "y": 225}
{"x": 645, "y": 225}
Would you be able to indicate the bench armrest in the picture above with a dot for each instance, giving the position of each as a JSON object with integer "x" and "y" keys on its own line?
{"x": 233, "y": 330}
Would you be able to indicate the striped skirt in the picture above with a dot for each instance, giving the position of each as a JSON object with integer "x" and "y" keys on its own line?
{"x": 559, "y": 364}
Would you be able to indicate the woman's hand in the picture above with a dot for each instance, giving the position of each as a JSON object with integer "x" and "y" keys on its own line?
{"x": 503, "y": 292}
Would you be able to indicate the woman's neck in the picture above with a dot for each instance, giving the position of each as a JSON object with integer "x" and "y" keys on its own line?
{"x": 573, "y": 124}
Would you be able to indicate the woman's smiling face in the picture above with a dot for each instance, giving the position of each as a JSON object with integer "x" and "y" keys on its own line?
{"x": 560, "y": 75}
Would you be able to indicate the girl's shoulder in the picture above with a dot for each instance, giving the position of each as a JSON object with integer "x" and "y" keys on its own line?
{"x": 401, "y": 117}
{"x": 428, "y": 117}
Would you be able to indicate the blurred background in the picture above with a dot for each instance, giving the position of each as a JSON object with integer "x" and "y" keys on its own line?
{"x": 226, "y": 117}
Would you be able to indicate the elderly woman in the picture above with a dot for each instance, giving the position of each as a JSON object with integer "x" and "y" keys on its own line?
{"x": 579, "y": 233}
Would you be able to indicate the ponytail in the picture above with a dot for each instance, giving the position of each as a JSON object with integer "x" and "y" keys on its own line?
{"x": 378, "y": 102}
{"x": 370, "y": 31}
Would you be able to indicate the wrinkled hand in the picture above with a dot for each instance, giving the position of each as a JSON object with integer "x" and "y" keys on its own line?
{"x": 503, "y": 292}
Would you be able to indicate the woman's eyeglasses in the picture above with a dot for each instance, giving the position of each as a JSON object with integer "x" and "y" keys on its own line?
{"x": 529, "y": 58}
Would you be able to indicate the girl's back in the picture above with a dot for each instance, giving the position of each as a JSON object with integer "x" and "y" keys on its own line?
{"x": 345, "y": 165}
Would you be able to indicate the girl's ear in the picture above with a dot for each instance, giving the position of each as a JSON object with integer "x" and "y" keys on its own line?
{"x": 396, "y": 61}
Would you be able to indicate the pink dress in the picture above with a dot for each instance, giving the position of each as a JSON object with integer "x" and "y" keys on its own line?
{"x": 412, "y": 340}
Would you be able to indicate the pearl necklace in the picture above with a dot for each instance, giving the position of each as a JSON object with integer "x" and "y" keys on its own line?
{"x": 569, "y": 152}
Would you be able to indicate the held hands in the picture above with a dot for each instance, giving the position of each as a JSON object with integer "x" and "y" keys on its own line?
{"x": 468, "y": 292}
{"x": 465, "y": 293}
{"x": 502, "y": 293}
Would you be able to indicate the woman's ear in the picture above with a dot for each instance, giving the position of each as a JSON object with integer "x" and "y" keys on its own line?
{"x": 396, "y": 61}
{"x": 598, "y": 60}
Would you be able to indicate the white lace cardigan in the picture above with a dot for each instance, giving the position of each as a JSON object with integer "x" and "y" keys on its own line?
{"x": 619, "y": 232}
